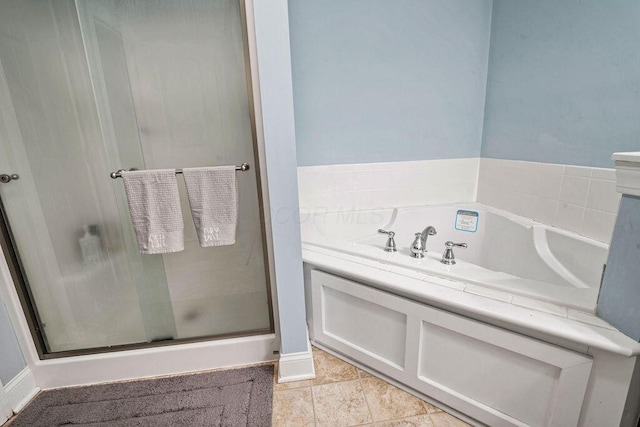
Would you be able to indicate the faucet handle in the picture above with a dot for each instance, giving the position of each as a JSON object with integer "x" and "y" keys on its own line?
{"x": 450, "y": 244}
{"x": 390, "y": 246}
{"x": 448, "y": 257}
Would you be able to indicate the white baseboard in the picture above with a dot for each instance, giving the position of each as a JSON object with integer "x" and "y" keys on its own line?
{"x": 156, "y": 361}
{"x": 296, "y": 366}
{"x": 21, "y": 389}
{"x": 5, "y": 407}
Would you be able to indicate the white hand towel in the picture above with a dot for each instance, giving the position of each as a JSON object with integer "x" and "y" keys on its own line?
{"x": 213, "y": 198}
{"x": 154, "y": 204}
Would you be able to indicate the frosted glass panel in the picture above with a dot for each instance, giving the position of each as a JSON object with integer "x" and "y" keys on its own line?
{"x": 128, "y": 84}
{"x": 49, "y": 135}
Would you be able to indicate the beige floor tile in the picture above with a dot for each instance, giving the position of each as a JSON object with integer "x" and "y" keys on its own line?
{"x": 331, "y": 369}
{"x": 364, "y": 374}
{"x": 292, "y": 408}
{"x": 340, "y": 404}
{"x": 430, "y": 408}
{"x": 388, "y": 402}
{"x": 419, "y": 421}
{"x": 288, "y": 386}
{"x": 442, "y": 419}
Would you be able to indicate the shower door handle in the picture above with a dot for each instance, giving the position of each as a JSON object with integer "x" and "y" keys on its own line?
{"x": 5, "y": 178}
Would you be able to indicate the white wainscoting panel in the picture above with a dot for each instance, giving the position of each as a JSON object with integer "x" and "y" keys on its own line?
{"x": 359, "y": 322}
{"x": 495, "y": 376}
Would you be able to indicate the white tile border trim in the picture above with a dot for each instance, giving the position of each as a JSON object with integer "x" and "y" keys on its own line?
{"x": 296, "y": 366}
{"x": 21, "y": 389}
{"x": 628, "y": 172}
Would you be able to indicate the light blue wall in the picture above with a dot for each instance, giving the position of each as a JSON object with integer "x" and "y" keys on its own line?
{"x": 564, "y": 81}
{"x": 620, "y": 292}
{"x": 381, "y": 80}
{"x": 11, "y": 358}
{"x": 274, "y": 63}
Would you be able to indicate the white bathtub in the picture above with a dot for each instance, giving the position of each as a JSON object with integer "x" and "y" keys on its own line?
{"x": 508, "y": 253}
{"x": 457, "y": 336}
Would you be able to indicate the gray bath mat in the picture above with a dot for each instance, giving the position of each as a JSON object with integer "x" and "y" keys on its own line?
{"x": 239, "y": 397}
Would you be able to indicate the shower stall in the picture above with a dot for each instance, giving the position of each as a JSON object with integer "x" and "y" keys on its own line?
{"x": 88, "y": 87}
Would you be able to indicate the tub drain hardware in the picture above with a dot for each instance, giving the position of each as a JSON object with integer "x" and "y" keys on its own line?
{"x": 448, "y": 257}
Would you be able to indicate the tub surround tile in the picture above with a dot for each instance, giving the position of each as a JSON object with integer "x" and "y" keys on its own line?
{"x": 564, "y": 196}
{"x": 603, "y": 196}
{"x": 574, "y": 190}
{"x": 583, "y": 171}
{"x": 598, "y": 225}
{"x": 341, "y": 404}
{"x": 388, "y": 402}
{"x": 602, "y": 173}
{"x": 552, "y": 194}
{"x": 372, "y": 185}
{"x": 549, "y": 184}
{"x": 569, "y": 217}
{"x": 545, "y": 210}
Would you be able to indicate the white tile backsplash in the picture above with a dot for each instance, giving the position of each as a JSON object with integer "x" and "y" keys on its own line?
{"x": 603, "y": 196}
{"x": 335, "y": 188}
{"x": 606, "y": 174}
{"x": 576, "y": 198}
{"x": 579, "y": 199}
{"x": 577, "y": 171}
{"x": 574, "y": 189}
{"x": 569, "y": 217}
{"x": 598, "y": 224}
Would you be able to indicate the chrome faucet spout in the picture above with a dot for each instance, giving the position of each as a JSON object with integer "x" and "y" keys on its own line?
{"x": 428, "y": 231}
{"x": 418, "y": 248}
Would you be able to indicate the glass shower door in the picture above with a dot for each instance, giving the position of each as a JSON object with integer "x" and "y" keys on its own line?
{"x": 94, "y": 86}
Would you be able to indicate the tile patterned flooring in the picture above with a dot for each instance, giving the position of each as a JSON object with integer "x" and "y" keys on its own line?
{"x": 343, "y": 395}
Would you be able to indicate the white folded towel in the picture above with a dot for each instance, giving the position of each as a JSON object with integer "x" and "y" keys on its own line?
{"x": 213, "y": 198}
{"x": 154, "y": 204}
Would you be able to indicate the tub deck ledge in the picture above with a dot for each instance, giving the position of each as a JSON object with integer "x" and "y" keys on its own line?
{"x": 493, "y": 307}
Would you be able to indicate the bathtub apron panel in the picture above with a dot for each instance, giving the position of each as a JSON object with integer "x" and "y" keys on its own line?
{"x": 495, "y": 376}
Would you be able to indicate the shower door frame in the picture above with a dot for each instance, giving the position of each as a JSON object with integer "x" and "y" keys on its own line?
{"x": 20, "y": 279}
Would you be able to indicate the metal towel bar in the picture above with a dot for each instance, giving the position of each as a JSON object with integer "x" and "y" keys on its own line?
{"x": 243, "y": 167}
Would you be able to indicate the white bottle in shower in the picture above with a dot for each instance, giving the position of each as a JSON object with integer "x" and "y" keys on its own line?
{"x": 90, "y": 247}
